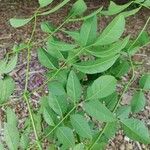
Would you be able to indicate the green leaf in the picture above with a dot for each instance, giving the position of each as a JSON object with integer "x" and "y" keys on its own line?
{"x": 110, "y": 130}
{"x": 78, "y": 8}
{"x": 88, "y": 32}
{"x": 24, "y": 141}
{"x": 54, "y": 50}
{"x": 81, "y": 126}
{"x": 102, "y": 87}
{"x": 130, "y": 13}
{"x": 44, "y": 3}
{"x": 94, "y": 13}
{"x": 143, "y": 39}
{"x": 57, "y": 7}
{"x": 74, "y": 88}
{"x": 56, "y": 88}
{"x": 138, "y": 102}
{"x": 123, "y": 112}
{"x": 96, "y": 66}
{"x": 46, "y": 59}
{"x": 79, "y": 147}
{"x": 75, "y": 35}
{"x": 98, "y": 111}
{"x": 120, "y": 68}
{"x": 60, "y": 76}
{"x": 11, "y": 136}
{"x": 139, "y": 1}
{"x": 47, "y": 27}
{"x": 19, "y": 22}
{"x": 11, "y": 117}
{"x": 115, "y": 9}
{"x": 145, "y": 82}
{"x": 61, "y": 46}
{"x": 11, "y": 64}
{"x": 136, "y": 130}
{"x": 8, "y": 65}
{"x": 47, "y": 117}
{"x": 58, "y": 104}
{"x": 66, "y": 137}
{"x": 110, "y": 50}
{"x": 38, "y": 119}
{"x": 110, "y": 101}
{"x": 100, "y": 144}
{"x": 147, "y": 3}
{"x": 7, "y": 86}
{"x": 112, "y": 32}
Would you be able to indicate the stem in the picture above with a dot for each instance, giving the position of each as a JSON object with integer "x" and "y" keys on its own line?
{"x": 27, "y": 81}
{"x": 32, "y": 120}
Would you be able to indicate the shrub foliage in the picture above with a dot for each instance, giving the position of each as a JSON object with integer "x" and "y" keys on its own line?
{"x": 82, "y": 109}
